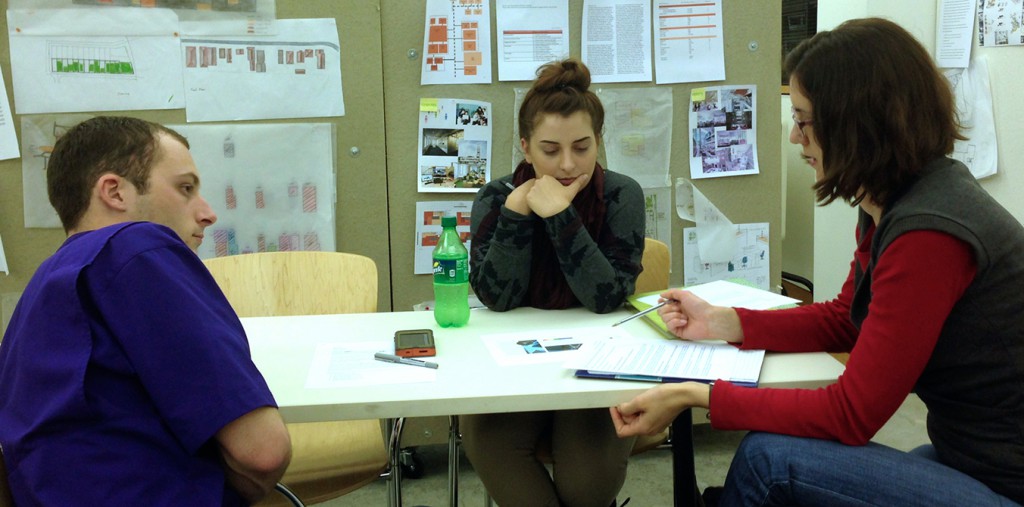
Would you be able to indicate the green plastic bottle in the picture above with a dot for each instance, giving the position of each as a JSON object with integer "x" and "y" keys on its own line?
{"x": 451, "y": 277}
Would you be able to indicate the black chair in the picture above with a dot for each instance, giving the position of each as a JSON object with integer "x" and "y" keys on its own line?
{"x": 796, "y": 286}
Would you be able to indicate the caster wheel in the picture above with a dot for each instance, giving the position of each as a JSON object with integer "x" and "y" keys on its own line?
{"x": 412, "y": 465}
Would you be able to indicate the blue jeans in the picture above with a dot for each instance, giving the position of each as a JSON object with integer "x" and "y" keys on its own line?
{"x": 771, "y": 469}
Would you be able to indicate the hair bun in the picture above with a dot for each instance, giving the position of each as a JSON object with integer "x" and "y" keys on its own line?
{"x": 560, "y": 75}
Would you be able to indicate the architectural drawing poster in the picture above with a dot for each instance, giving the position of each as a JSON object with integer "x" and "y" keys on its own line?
{"x": 428, "y": 230}
{"x": 296, "y": 73}
{"x": 977, "y": 117}
{"x": 457, "y": 42}
{"x": 723, "y": 139}
{"x": 1000, "y": 23}
{"x": 638, "y": 133}
{"x": 38, "y": 135}
{"x": 271, "y": 185}
{"x": 109, "y": 59}
{"x": 454, "y": 145}
{"x": 749, "y": 262}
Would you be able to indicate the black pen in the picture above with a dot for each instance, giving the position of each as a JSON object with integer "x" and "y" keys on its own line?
{"x": 391, "y": 358}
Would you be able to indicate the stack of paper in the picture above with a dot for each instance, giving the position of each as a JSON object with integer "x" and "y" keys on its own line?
{"x": 670, "y": 361}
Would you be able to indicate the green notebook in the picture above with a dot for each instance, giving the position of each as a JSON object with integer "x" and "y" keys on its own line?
{"x": 651, "y": 318}
{"x": 774, "y": 301}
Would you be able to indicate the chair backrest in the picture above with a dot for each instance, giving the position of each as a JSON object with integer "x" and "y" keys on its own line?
{"x": 5, "y": 489}
{"x": 296, "y": 283}
{"x": 656, "y": 263}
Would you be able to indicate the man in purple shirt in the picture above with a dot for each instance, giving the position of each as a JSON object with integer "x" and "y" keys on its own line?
{"x": 125, "y": 376}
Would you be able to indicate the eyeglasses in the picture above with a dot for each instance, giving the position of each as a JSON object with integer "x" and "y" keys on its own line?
{"x": 801, "y": 124}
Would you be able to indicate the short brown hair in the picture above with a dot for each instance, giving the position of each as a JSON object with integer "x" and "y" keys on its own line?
{"x": 125, "y": 146}
{"x": 882, "y": 110}
{"x": 561, "y": 88}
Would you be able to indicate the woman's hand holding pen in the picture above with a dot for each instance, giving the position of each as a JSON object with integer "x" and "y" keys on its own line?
{"x": 691, "y": 318}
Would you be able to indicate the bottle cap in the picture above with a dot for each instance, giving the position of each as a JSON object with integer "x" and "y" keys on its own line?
{"x": 448, "y": 222}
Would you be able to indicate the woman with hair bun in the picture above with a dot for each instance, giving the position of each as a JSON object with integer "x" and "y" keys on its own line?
{"x": 560, "y": 232}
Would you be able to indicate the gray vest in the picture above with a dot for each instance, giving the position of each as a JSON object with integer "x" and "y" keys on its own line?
{"x": 973, "y": 385}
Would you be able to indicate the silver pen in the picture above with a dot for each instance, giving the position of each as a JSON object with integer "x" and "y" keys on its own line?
{"x": 391, "y": 358}
{"x": 644, "y": 312}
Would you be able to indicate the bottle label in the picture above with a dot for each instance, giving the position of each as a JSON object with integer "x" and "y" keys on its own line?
{"x": 451, "y": 270}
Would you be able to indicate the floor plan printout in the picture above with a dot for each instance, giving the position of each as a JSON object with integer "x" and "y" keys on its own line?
{"x": 223, "y": 75}
{"x": 109, "y": 59}
{"x": 457, "y": 42}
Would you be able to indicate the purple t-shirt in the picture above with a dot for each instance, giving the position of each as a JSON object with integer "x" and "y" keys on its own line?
{"x": 121, "y": 362}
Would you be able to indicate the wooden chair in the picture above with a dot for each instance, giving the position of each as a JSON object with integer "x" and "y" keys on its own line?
{"x": 329, "y": 459}
{"x": 656, "y": 263}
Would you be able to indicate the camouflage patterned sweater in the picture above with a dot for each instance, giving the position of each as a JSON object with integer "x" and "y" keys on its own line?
{"x": 600, "y": 275}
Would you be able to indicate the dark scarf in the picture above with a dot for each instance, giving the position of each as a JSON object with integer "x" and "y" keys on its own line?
{"x": 548, "y": 288}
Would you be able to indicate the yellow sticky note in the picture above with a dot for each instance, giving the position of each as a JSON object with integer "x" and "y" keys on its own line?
{"x": 428, "y": 105}
{"x": 697, "y": 95}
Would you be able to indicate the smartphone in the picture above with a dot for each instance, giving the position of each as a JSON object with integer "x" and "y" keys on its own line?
{"x": 414, "y": 343}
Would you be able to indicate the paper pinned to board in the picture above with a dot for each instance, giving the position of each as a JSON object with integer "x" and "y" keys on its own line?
{"x": 716, "y": 234}
{"x": 3, "y": 258}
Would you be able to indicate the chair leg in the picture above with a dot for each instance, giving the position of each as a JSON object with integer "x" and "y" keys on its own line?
{"x": 394, "y": 472}
{"x": 454, "y": 441}
{"x": 281, "y": 488}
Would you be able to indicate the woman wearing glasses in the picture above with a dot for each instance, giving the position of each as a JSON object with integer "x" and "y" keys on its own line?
{"x": 933, "y": 304}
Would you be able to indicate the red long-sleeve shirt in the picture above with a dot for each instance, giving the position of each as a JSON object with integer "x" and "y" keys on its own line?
{"x": 915, "y": 284}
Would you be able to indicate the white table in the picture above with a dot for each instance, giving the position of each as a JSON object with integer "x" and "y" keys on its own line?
{"x": 469, "y": 380}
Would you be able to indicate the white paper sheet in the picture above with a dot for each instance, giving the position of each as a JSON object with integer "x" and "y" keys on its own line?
{"x": 109, "y": 59}
{"x": 353, "y": 365}
{"x": 546, "y": 346}
{"x": 690, "y": 45}
{"x": 8, "y": 139}
{"x": 638, "y": 133}
{"x": 295, "y": 73}
{"x": 530, "y": 34}
{"x": 428, "y": 229}
{"x": 735, "y": 295}
{"x": 953, "y": 36}
{"x": 616, "y": 41}
{"x": 454, "y": 145}
{"x": 3, "y": 258}
{"x": 271, "y": 185}
{"x": 456, "y": 42}
{"x": 723, "y": 135}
